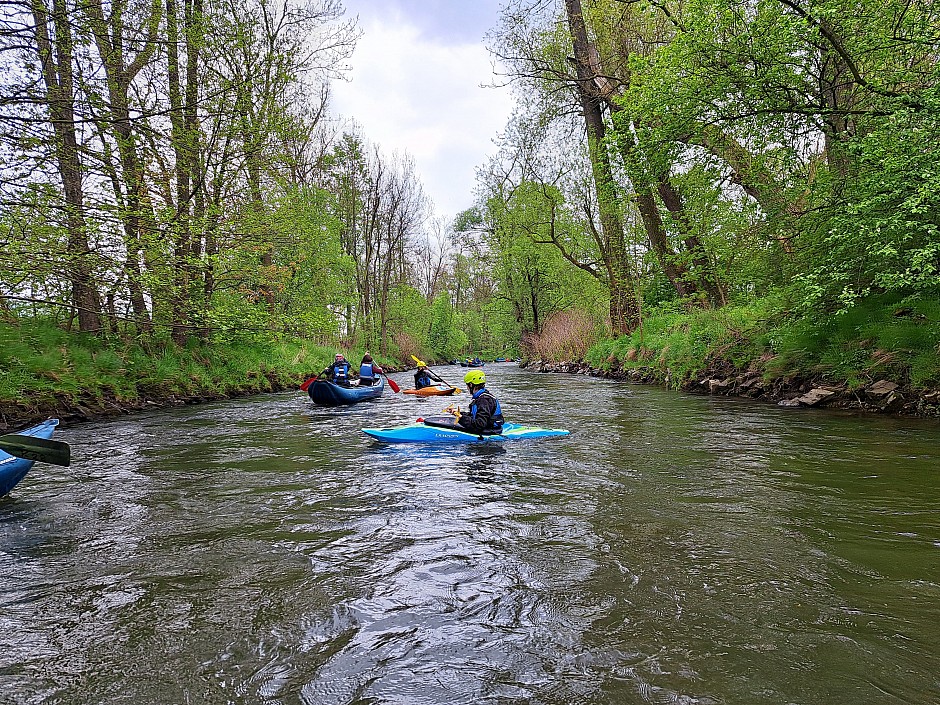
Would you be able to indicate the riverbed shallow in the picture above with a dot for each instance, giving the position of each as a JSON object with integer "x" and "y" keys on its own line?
{"x": 672, "y": 549}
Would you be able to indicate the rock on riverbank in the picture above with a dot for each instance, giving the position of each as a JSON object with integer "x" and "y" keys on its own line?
{"x": 881, "y": 396}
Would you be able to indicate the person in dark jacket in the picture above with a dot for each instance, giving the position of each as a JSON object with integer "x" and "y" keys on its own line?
{"x": 423, "y": 377}
{"x": 368, "y": 371}
{"x": 338, "y": 372}
{"x": 485, "y": 415}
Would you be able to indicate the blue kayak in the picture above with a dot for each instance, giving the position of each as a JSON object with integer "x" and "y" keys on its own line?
{"x": 330, "y": 394}
{"x": 13, "y": 469}
{"x": 420, "y": 432}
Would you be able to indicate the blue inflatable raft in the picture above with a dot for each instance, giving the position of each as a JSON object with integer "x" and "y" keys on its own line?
{"x": 329, "y": 394}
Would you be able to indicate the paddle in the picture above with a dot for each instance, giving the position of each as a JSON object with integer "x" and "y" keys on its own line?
{"x": 421, "y": 363}
{"x": 31, "y": 448}
{"x": 391, "y": 383}
{"x": 306, "y": 385}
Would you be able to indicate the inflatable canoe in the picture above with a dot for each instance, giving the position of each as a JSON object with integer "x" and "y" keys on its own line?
{"x": 14, "y": 469}
{"x": 438, "y": 391}
{"x": 435, "y": 432}
{"x": 329, "y": 394}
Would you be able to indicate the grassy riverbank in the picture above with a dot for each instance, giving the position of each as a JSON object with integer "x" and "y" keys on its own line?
{"x": 882, "y": 338}
{"x": 46, "y": 371}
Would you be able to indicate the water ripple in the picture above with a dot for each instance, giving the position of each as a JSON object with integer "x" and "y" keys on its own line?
{"x": 673, "y": 549}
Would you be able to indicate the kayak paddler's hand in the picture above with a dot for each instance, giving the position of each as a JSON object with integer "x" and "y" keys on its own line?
{"x": 455, "y": 410}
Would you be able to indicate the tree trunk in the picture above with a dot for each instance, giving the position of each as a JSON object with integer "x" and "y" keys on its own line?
{"x": 836, "y": 89}
{"x": 135, "y": 212}
{"x": 194, "y": 168}
{"x": 180, "y": 307}
{"x": 624, "y": 308}
{"x": 704, "y": 273}
{"x": 56, "y": 66}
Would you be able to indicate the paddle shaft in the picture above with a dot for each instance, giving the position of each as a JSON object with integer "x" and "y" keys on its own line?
{"x": 38, "y": 449}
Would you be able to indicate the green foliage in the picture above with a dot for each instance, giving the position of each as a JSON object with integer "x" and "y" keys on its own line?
{"x": 848, "y": 198}
{"x": 410, "y": 319}
{"x": 443, "y": 335}
{"x": 683, "y": 344}
{"x": 879, "y": 337}
{"x": 309, "y": 277}
{"x": 314, "y": 273}
{"x": 39, "y": 362}
{"x": 885, "y": 235}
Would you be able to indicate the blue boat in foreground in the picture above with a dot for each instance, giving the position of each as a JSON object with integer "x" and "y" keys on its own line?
{"x": 329, "y": 394}
{"x": 13, "y": 469}
{"x": 439, "y": 431}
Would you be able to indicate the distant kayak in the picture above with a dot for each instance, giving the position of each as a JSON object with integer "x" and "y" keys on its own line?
{"x": 438, "y": 391}
{"x": 329, "y": 394}
{"x": 13, "y": 469}
{"x": 435, "y": 432}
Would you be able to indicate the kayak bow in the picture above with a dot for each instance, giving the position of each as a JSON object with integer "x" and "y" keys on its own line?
{"x": 12, "y": 468}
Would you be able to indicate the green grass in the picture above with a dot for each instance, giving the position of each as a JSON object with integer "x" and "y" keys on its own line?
{"x": 882, "y": 337}
{"x": 40, "y": 362}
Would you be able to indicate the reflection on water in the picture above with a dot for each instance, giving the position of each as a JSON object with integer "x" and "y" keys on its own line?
{"x": 673, "y": 549}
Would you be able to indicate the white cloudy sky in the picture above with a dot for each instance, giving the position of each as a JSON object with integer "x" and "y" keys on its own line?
{"x": 416, "y": 87}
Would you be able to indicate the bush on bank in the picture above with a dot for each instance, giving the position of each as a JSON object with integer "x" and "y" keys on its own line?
{"x": 882, "y": 337}
{"x": 44, "y": 367}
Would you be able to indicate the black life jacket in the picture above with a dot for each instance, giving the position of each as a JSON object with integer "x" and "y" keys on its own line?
{"x": 496, "y": 422}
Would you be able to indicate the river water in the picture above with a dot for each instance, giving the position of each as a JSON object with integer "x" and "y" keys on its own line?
{"x": 673, "y": 549}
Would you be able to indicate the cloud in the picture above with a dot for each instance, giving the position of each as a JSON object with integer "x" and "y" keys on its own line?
{"x": 413, "y": 92}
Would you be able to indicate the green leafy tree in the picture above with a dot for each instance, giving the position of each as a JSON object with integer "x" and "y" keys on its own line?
{"x": 441, "y": 336}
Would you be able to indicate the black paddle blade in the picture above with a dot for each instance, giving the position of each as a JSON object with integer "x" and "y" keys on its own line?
{"x": 38, "y": 449}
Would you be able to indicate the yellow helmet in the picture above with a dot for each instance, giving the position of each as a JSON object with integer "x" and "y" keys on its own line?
{"x": 475, "y": 377}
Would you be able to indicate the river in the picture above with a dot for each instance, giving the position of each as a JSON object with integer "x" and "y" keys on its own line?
{"x": 673, "y": 549}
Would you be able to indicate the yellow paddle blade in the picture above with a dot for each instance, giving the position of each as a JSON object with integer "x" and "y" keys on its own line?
{"x": 419, "y": 362}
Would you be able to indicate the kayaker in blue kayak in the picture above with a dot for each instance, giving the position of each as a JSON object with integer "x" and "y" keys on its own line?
{"x": 485, "y": 415}
{"x": 338, "y": 372}
{"x": 368, "y": 371}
